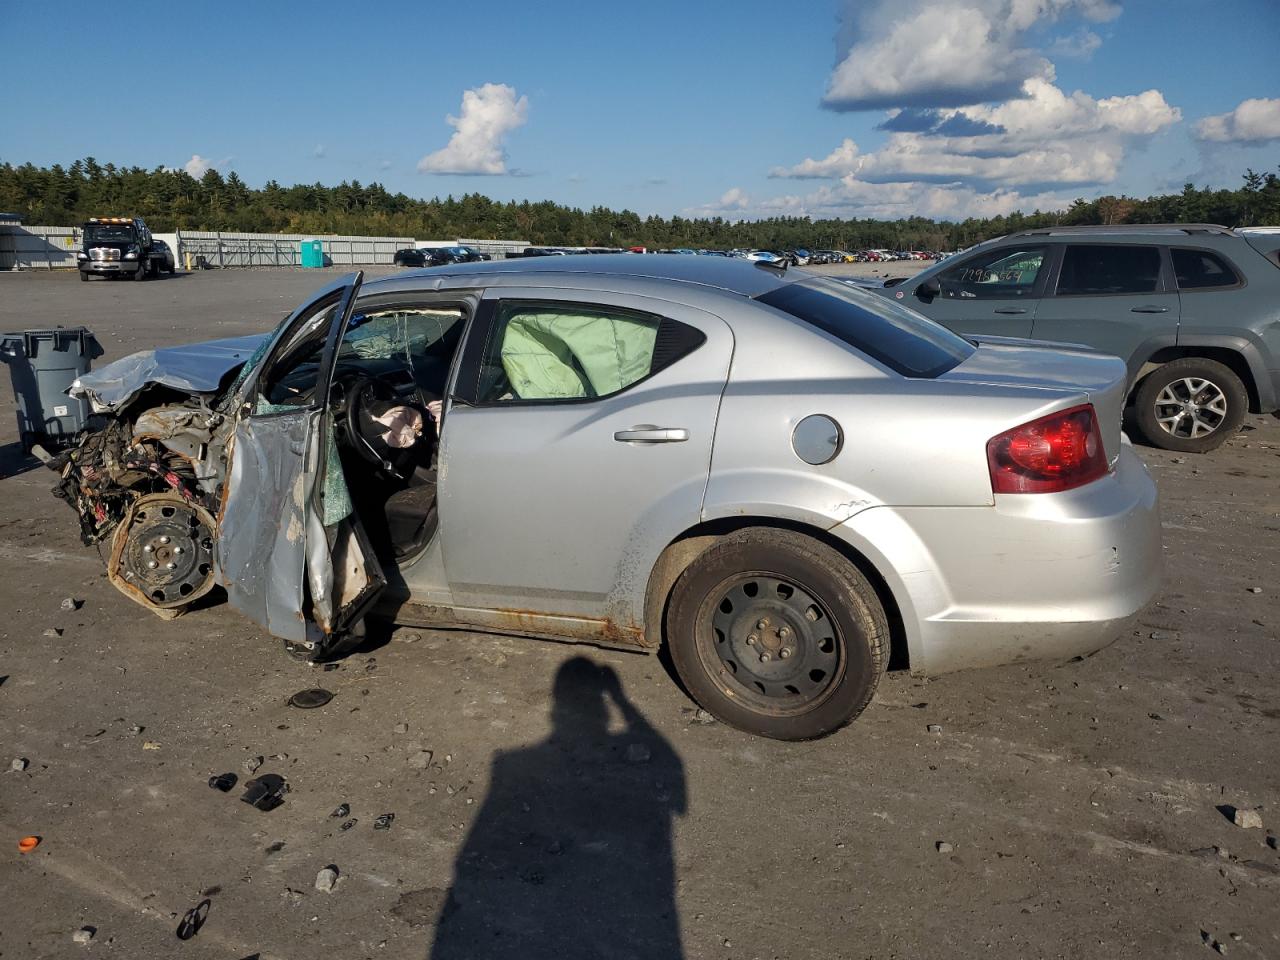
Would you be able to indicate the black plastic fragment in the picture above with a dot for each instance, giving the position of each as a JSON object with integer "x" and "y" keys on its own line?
{"x": 311, "y": 698}
{"x": 223, "y": 781}
{"x": 193, "y": 920}
{"x": 265, "y": 792}
{"x": 343, "y": 809}
{"x": 384, "y": 822}
{"x": 349, "y": 824}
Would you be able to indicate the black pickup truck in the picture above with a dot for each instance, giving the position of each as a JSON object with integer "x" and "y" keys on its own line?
{"x": 121, "y": 246}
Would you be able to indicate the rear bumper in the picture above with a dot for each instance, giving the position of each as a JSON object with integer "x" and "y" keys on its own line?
{"x": 1033, "y": 577}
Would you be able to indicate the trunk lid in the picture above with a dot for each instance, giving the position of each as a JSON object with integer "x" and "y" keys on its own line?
{"x": 1078, "y": 374}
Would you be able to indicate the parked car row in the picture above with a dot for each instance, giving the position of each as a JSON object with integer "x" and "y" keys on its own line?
{"x": 798, "y": 257}
{"x": 438, "y": 256}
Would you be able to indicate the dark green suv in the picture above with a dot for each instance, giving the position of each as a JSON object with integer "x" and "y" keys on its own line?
{"x": 1194, "y": 309}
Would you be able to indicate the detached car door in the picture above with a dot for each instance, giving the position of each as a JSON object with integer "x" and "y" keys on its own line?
{"x": 290, "y": 550}
{"x": 576, "y": 446}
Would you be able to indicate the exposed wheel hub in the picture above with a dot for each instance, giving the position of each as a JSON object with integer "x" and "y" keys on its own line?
{"x": 775, "y": 640}
{"x": 162, "y": 554}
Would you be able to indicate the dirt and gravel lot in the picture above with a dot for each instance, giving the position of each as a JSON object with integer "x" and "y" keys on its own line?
{"x": 576, "y": 816}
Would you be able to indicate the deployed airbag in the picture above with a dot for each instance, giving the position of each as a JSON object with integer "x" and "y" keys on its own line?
{"x": 553, "y": 355}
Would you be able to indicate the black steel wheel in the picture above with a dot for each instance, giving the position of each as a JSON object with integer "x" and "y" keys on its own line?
{"x": 777, "y": 634}
{"x": 162, "y": 552}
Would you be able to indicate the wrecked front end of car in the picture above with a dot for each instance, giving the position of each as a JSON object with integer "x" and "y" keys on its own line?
{"x": 218, "y": 464}
{"x": 147, "y": 478}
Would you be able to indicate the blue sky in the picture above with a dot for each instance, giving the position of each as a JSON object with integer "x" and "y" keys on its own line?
{"x": 742, "y": 109}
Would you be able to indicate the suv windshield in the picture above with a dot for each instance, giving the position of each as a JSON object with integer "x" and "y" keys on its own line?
{"x": 108, "y": 232}
{"x": 886, "y": 331}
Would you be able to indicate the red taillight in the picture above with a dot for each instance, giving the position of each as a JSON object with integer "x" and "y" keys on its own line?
{"x": 1054, "y": 453}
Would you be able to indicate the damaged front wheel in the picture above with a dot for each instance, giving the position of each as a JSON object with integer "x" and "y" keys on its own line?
{"x": 162, "y": 553}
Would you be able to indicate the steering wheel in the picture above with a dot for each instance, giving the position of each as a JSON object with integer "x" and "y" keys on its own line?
{"x": 354, "y": 405}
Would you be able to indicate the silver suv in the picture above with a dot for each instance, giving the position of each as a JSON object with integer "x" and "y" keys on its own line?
{"x": 1193, "y": 309}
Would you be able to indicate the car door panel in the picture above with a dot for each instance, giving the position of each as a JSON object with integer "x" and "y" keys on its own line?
{"x": 1116, "y": 323}
{"x": 285, "y": 561}
{"x": 558, "y": 508}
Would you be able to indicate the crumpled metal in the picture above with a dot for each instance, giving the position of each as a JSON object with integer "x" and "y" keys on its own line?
{"x": 195, "y": 368}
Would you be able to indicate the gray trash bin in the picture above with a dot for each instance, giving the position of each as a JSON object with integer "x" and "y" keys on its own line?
{"x": 42, "y": 365}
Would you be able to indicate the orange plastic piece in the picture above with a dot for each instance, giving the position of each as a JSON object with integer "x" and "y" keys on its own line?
{"x": 27, "y": 844}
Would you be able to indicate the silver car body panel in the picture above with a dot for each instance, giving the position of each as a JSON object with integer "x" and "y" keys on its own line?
{"x": 1047, "y": 576}
{"x": 264, "y": 525}
{"x": 550, "y": 525}
{"x": 508, "y": 478}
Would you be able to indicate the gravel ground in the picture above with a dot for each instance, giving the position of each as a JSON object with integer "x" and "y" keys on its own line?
{"x": 1062, "y": 810}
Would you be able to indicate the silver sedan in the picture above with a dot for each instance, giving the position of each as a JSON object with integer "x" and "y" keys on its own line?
{"x": 787, "y": 481}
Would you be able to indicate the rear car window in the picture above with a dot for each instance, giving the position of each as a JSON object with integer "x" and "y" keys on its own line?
{"x": 1096, "y": 269}
{"x": 1199, "y": 269}
{"x": 888, "y": 332}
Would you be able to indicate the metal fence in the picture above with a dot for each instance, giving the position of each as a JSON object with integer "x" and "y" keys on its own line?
{"x": 38, "y": 248}
{"x": 282, "y": 249}
{"x": 31, "y": 247}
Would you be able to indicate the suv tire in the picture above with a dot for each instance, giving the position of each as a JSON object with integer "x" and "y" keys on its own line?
{"x": 1206, "y": 398}
{"x": 777, "y": 634}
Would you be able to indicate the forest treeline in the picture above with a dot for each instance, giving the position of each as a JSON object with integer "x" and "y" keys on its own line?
{"x": 174, "y": 200}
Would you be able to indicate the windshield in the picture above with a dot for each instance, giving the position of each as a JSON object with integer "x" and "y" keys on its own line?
{"x": 108, "y": 233}
{"x": 886, "y": 331}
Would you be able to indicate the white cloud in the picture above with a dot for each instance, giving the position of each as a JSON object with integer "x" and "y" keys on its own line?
{"x": 944, "y": 53}
{"x": 843, "y": 159}
{"x": 1043, "y": 137}
{"x": 1254, "y": 121}
{"x": 319, "y": 151}
{"x": 851, "y": 197}
{"x": 1082, "y": 44}
{"x": 198, "y": 166}
{"x": 489, "y": 113}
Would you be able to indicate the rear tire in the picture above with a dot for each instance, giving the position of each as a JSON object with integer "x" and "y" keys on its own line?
{"x": 1191, "y": 405}
{"x": 777, "y": 634}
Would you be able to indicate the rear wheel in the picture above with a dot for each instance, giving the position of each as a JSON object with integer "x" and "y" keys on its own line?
{"x": 777, "y": 634}
{"x": 1191, "y": 405}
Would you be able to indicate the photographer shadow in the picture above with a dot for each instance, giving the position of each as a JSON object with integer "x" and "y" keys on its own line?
{"x": 570, "y": 855}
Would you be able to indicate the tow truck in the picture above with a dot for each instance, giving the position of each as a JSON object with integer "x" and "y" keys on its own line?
{"x": 120, "y": 246}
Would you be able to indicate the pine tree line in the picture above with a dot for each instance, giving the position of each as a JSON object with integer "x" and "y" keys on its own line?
{"x": 174, "y": 200}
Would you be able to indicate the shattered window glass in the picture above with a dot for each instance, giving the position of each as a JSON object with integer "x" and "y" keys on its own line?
{"x": 396, "y": 333}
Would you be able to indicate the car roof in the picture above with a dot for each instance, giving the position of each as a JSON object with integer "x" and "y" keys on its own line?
{"x": 724, "y": 273}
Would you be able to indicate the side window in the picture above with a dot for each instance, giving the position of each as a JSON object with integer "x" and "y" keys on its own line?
{"x": 1006, "y": 273}
{"x": 1199, "y": 269}
{"x": 1097, "y": 269}
{"x": 570, "y": 351}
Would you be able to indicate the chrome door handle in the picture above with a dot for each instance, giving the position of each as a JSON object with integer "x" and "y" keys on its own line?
{"x": 648, "y": 434}
{"x": 1149, "y": 309}
{"x": 1011, "y": 310}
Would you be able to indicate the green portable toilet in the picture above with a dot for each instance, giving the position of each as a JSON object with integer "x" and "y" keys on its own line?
{"x": 312, "y": 253}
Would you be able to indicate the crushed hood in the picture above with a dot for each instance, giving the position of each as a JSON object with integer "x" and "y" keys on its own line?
{"x": 194, "y": 368}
